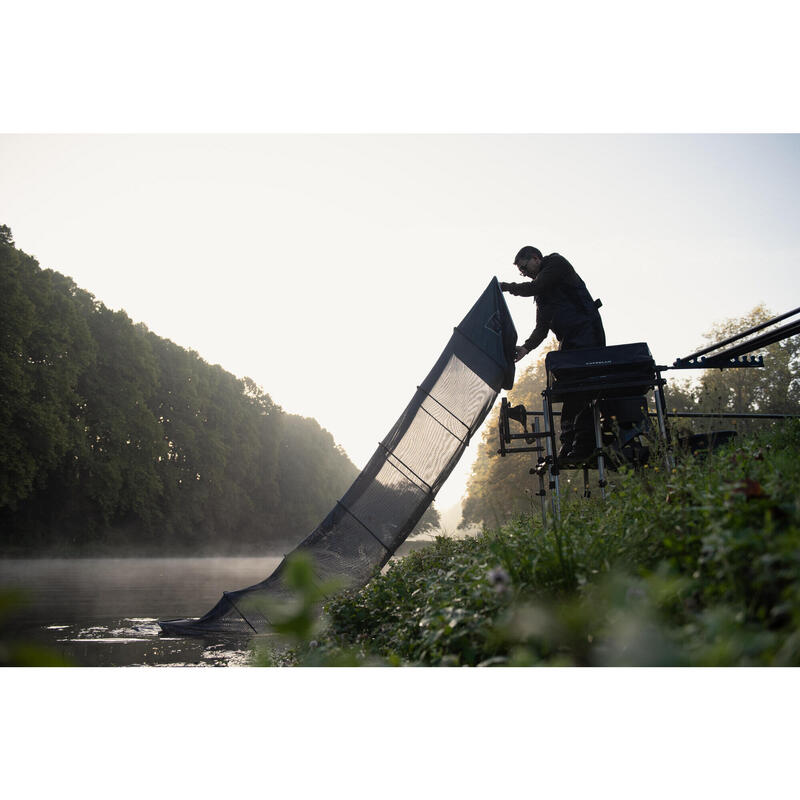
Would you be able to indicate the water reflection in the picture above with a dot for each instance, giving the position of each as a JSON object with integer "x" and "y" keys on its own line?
{"x": 104, "y": 612}
{"x": 138, "y": 643}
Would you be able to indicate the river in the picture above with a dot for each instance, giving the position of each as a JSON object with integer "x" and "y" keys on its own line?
{"x": 104, "y": 611}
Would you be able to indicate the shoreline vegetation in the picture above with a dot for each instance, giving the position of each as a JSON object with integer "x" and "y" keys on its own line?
{"x": 697, "y": 566}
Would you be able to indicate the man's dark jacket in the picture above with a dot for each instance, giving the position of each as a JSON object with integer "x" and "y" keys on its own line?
{"x": 563, "y": 305}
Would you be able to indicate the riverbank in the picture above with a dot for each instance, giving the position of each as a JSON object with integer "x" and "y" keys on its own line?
{"x": 696, "y": 566}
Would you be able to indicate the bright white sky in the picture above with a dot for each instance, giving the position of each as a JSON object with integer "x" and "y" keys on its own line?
{"x": 332, "y": 268}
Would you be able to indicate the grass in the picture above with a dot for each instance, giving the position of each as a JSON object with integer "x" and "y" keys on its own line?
{"x": 694, "y": 566}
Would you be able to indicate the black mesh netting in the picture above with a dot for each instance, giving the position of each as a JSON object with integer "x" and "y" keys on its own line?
{"x": 397, "y": 485}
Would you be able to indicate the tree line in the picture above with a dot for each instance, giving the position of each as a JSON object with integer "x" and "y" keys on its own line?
{"x": 113, "y": 439}
{"x": 500, "y": 488}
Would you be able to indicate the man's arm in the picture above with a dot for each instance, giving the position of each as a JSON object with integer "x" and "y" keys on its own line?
{"x": 518, "y": 289}
{"x": 538, "y": 335}
{"x": 555, "y": 269}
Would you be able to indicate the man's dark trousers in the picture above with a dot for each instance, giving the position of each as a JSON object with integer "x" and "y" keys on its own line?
{"x": 577, "y": 424}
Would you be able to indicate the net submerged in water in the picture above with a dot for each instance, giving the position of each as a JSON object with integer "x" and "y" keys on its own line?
{"x": 390, "y": 495}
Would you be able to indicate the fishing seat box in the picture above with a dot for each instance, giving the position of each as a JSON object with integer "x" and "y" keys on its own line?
{"x": 621, "y": 370}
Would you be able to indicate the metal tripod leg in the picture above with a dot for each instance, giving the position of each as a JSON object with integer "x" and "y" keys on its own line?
{"x": 549, "y": 429}
{"x": 542, "y": 493}
{"x": 598, "y": 440}
{"x": 662, "y": 426}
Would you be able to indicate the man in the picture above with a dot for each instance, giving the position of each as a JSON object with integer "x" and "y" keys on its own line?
{"x": 565, "y": 307}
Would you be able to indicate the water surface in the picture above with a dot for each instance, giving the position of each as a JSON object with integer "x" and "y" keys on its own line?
{"x": 104, "y": 611}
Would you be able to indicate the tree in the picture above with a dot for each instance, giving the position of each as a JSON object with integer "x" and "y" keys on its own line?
{"x": 117, "y": 466}
{"x": 431, "y": 520}
{"x": 312, "y": 474}
{"x": 44, "y": 347}
{"x": 113, "y": 436}
{"x": 775, "y": 388}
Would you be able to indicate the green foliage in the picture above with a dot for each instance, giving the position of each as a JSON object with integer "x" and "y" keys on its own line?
{"x": 296, "y": 619}
{"x": 45, "y": 345}
{"x": 296, "y": 622}
{"x": 113, "y": 439}
{"x": 434, "y": 603}
{"x": 774, "y": 389}
{"x": 15, "y": 649}
{"x": 695, "y": 566}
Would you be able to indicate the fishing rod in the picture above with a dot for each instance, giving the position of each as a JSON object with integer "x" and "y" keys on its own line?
{"x": 732, "y": 356}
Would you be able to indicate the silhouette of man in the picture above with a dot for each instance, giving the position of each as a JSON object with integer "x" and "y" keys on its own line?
{"x": 565, "y": 307}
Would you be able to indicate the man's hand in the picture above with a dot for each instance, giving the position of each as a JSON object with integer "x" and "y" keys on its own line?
{"x": 504, "y": 287}
{"x": 520, "y": 353}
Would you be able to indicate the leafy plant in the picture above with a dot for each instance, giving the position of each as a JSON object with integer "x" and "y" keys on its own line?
{"x": 697, "y": 565}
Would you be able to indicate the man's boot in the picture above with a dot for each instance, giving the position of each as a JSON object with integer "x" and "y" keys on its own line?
{"x": 583, "y": 444}
{"x": 563, "y": 451}
{"x": 581, "y": 449}
{"x": 567, "y": 436}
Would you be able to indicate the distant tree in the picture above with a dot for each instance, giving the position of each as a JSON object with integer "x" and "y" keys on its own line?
{"x": 44, "y": 347}
{"x": 431, "y": 521}
{"x": 680, "y": 394}
{"x": 312, "y": 474}
{"x": 775, "y": 388}
{"x": 113, "y": 437}
{"x": 122, "y": 437}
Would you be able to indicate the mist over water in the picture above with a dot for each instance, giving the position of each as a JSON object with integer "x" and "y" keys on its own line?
{"x": 104, "y": 611}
